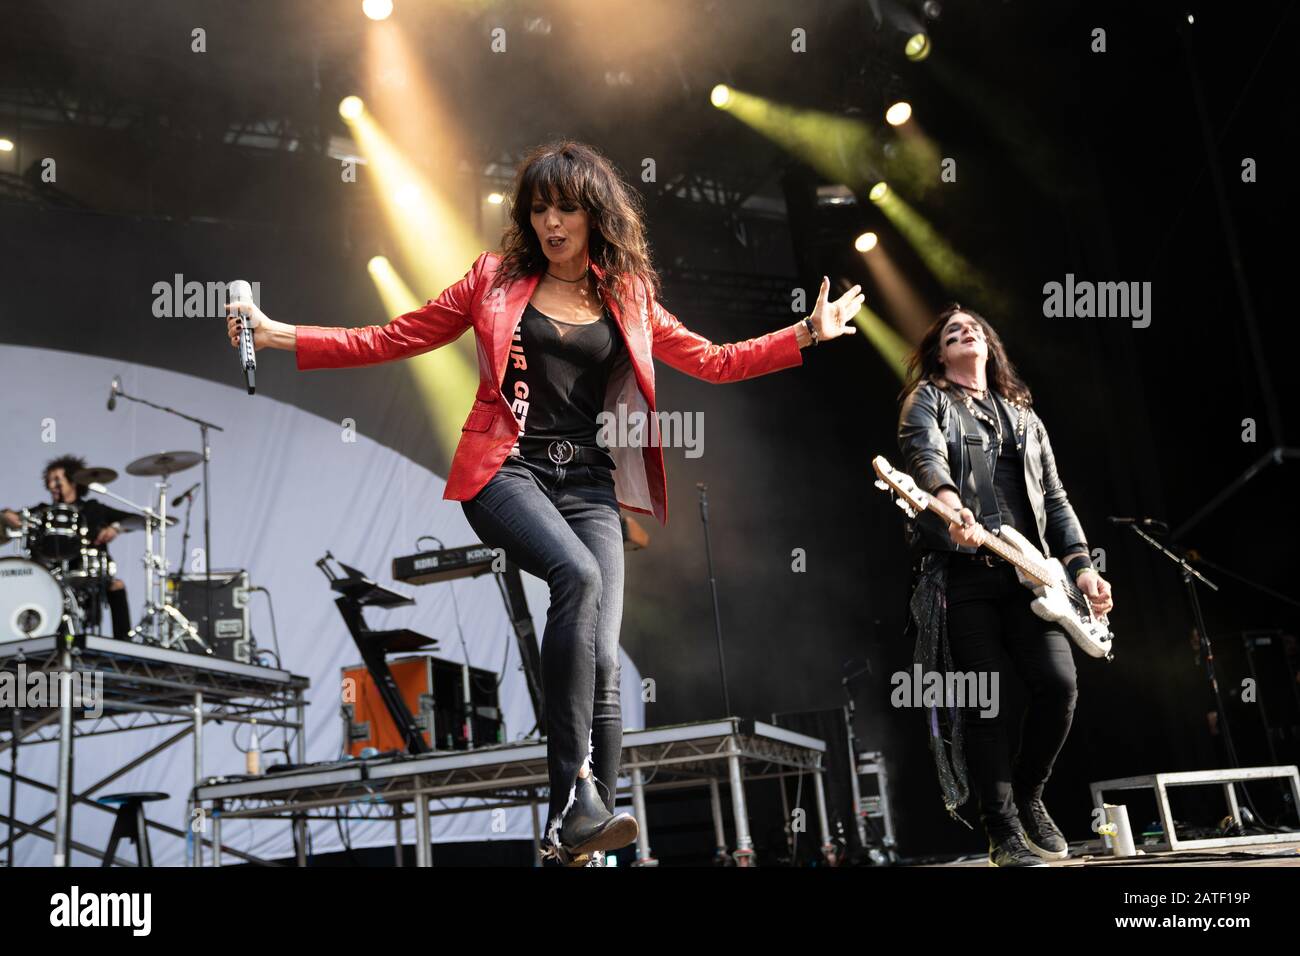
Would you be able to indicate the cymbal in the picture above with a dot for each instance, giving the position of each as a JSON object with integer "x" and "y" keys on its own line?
{"x": 90, "y": 476}
{"x": 164, "y": 463}
{"x": 136, "y": 522}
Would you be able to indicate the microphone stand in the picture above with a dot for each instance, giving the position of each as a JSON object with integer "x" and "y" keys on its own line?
{"x": 713, "y": 588}
{"x": 1190, "y": 576}
{"x": 207, "y": 483}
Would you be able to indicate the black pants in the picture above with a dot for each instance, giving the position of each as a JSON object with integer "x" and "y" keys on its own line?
{"x": 120, "y": 610}
{"x": 989, "y": 624}
{"x": 561, "y": 524}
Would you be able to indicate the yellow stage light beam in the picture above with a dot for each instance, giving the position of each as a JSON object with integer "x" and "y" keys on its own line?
{"x": 948, "y": 265}
{"x": 891, "y": 346}
{"x": 839, "y": 148}
{"x": 906, "y": 307}
{"x": 445, "y": 381}
{"x": 842, "y": 149}
{"x": 377, "y": 9}
{"x": 866, "y": 242}
{"x": 434, "y": 240}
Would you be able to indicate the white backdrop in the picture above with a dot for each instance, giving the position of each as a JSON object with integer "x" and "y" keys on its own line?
{"x": 285, "y": 488}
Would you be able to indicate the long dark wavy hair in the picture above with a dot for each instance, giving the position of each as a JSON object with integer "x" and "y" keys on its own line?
{"x": 567, "y": 170}
{"x": 923, "y": 364}
{"x": 71, "y": 464}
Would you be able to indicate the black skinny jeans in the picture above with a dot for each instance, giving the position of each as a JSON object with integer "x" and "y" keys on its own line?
{"x": 989, "y": 622}
{"x": 561, "y": 524}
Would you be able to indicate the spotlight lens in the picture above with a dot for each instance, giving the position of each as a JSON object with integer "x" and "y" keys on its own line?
{"x": 6, "y": 145}
{"x": 350, "y": 107}
{"x": 917, "y": 47}
{"x": 866, "y": 242}
{"x": 496, "y": 199}
{"x": 720, "y": 96}
{"x": 878, "y": 192}
{"x": 377, "y": 9}
{"x": 378, "y": 264}
{"x": 898, "y": 114}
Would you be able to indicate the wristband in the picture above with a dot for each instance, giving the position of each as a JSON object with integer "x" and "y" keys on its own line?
{"x": 1078, "y": 565}
{"x": 811, "y": 331}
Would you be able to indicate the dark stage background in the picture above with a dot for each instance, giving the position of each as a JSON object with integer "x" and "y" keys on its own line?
{"x": 1069, "y": 162}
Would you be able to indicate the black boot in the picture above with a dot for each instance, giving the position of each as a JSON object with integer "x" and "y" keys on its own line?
{"x": 1041, "y": 833}
{"x": 588, "y": 826}
{"x": 1007, "y": 847}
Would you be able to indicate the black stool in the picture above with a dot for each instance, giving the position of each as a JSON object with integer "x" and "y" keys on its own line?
{"x": 130, "y": 823}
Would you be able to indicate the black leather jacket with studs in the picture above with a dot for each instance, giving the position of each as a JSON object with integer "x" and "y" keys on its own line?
{"x": 931, "y": 438}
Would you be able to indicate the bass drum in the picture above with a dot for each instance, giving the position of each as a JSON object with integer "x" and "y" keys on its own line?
{"x": 31, "y": 601}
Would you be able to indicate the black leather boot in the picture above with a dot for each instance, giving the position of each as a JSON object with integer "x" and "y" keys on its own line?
{"x": 588, "y": 826}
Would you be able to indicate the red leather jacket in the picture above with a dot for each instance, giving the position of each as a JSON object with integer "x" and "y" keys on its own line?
{"x": 649, "y": 331}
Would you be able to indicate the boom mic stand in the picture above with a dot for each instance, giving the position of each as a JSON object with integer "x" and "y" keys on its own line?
{"x": 1190, "y": 577}
{"x": 204, "y": 426}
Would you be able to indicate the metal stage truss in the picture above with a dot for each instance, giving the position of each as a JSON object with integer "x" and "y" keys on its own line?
{"x": 698, "y": 755}
{"x": 142, "y": 687}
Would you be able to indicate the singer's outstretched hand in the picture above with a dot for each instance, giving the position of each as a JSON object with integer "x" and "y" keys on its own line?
{"x": 267, "y": 333}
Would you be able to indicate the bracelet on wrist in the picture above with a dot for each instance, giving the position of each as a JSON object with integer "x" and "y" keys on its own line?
{"x": 812, "y": 332}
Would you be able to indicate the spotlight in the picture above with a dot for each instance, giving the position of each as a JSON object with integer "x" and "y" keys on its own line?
{"x": 6, "y": 146}
{"x": 496, "y": 199}
{"x": 866, "y": 242}
{"x": 377, "y": 9}
{"x": 1190, "y": 18}
{"x": 378, "y": 264}
{"x": 720, "y": 96}
{"x": 932, "y": 9}
{"x": 878, "y": 192}
{"x": 350, "y": 107}
{"x": 898, "y": 114}
{"x": 917, "y": 47}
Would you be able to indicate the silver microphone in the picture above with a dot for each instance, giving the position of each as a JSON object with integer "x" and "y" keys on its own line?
{"x": 112, "y": 394}
{"x": 241, "y": 292}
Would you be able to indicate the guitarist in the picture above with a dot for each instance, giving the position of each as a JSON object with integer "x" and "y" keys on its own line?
{"x": 968, "y": 607}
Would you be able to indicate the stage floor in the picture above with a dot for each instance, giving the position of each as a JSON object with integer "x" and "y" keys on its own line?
{"x": 1093, "y": 855}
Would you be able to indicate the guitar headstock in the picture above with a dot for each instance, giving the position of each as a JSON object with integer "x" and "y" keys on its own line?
{"x": 910, "y": 498}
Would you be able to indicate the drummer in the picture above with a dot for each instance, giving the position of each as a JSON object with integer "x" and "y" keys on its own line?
{"x": 99, "y": 521}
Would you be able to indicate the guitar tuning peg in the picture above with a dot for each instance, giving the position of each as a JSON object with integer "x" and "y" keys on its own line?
{"x": 882, "y": 485}
{"x": 907, "y": 509}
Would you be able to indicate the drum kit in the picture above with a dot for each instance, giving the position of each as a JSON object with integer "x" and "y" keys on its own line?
{"x": 60, "y": 581}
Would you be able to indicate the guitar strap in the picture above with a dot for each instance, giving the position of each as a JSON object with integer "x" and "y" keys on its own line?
{"x": 973, "y": 436}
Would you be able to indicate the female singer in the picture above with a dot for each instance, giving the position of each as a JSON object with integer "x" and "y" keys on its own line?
{"x": 567, "y": 324}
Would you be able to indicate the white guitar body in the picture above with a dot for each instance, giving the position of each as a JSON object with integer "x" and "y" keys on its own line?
{"x": 1062, "y": 603}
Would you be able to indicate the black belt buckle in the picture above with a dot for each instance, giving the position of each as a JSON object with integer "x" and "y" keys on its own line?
{"x": 561, "y": 452}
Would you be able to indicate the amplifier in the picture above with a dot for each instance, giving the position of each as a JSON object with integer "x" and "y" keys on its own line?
{"x": 230, "y": 637}
{"x": 434, "y": 691}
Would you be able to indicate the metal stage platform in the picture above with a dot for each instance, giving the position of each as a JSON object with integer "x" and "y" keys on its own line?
{"x": 703, "y": 755}
{"x": 142, "y": 686}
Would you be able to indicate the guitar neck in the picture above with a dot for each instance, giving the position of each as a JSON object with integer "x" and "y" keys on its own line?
{"x": 999, "y": 547}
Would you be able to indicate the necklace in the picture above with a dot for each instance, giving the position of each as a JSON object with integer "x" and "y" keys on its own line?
{"x": 995, "y": 422}
{"x": 579, "y": 279}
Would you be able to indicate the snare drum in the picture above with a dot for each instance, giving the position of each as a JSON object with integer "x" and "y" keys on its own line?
{"x": 55, "y": 533}
{"x": 92, "y": 566}
{"x": 31, "y": 601}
